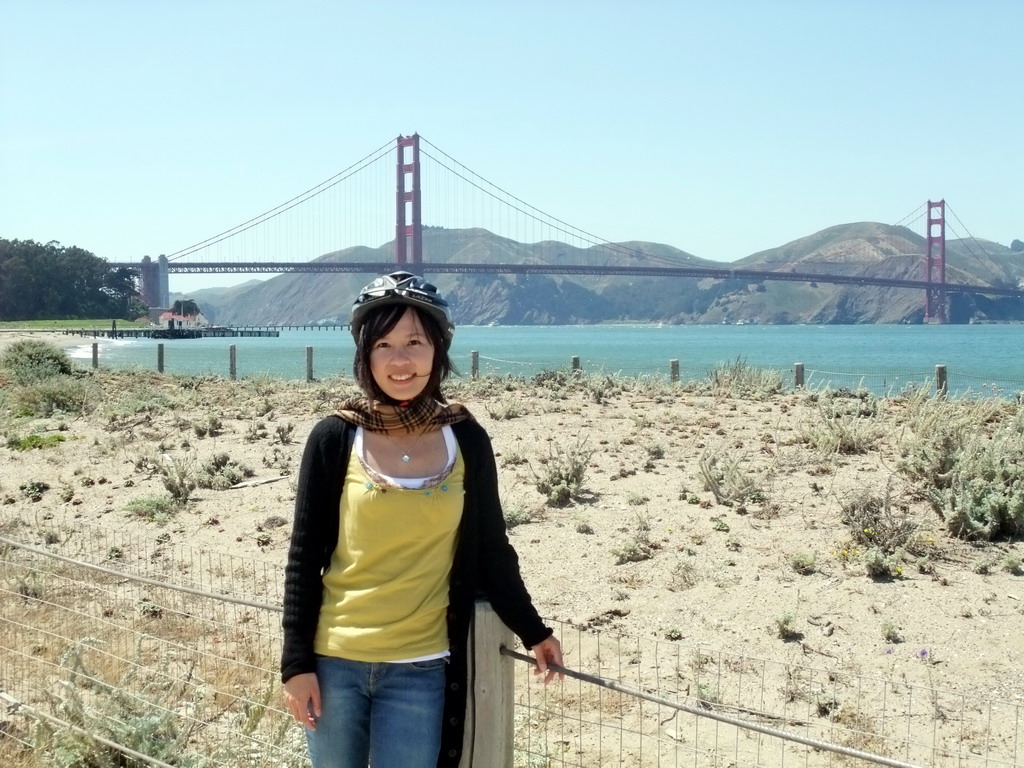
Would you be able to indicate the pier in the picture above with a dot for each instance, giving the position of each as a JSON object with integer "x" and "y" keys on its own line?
{"x": 173, "y": 333}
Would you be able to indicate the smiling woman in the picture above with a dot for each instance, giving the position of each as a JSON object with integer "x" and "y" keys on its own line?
{"x": 398, "y": 528}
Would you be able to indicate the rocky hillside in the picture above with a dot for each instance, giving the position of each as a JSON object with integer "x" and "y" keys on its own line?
{"x": 864, "y": 248}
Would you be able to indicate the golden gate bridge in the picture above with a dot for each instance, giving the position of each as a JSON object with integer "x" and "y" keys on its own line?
{"x": 324, "y": 230}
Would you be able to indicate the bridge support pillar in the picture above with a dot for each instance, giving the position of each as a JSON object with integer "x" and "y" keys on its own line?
{"x": 408, "y": 220}
{"x": 935, "y": 304}
{"x": 153, "y": 285}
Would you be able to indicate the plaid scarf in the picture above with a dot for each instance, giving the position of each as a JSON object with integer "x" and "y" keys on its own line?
{"x": 421, "y": 412}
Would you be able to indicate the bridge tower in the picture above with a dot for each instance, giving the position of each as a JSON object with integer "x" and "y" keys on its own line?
{"x": 153, "y": 284}
{"x": 408, "y": 221}
{"x": 935, "y": 304}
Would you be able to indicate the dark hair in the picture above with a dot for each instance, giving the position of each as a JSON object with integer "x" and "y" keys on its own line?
{"x": 380, "y": 322}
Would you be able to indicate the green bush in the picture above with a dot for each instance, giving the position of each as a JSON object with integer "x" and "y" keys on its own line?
{"x": 874, "y": 522}
{"x": 32, "y": 360}
{"x": 59, "y": 393}
{"x": 34, "y": 441}
{"x": 851, "y": 422}
{"x": 880, "y": 565}
{"x": 220, "y": 472}
{"x": 148, "y": 722}
{"x": 983, "y": 499}
{"x": 564, "y": 473}
{"x": 739, "y": 379}
{"x": 179, "y": 478}
{"x": 725, "y": 478}
{"x": 939, "y": 431}
{"x": 157, "y": 508}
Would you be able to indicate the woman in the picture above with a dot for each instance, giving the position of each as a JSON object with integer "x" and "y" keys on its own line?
{"x": 398, "y": 528}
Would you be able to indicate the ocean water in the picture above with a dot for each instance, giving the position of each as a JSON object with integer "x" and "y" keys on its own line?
{"x": 985, "y": 359}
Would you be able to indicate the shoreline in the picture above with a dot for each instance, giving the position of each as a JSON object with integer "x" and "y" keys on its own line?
{"x": 57, "y": 338}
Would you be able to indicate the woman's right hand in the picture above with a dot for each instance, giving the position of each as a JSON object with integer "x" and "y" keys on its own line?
{"x": 302, "y": 698}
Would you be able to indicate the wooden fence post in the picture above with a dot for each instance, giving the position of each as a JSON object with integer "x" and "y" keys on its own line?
{"x": 489, "y": 718}
{"x": 798, "y": 375}
{"x": 576, "y": 363}
{"x": 941, "y": 383}
{"x": 309, "y": 363}
{"x": 232, "y": 362}
{"x": 95, "y": 355}
{"x": 673, "y": 370}
{"x": 160, "y": 358}
{"x": 474, "y": 364}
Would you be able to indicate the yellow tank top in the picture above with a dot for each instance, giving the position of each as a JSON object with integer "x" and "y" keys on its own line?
{"x": 386, "y": 591}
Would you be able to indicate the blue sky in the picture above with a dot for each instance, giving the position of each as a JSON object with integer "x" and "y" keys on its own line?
{"x": 721, "y": 128}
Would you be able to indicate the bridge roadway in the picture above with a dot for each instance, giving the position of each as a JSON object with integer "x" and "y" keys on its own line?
{"x": 752, "y": 275}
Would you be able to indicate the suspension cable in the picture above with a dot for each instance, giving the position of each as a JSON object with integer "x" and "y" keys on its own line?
{"x": 289, "y": 204}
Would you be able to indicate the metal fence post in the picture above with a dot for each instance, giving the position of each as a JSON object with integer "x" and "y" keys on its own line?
{"x": 488, "y": 739}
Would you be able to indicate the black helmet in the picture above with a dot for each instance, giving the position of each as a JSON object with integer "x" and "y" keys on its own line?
{"x": 403, "y": 288}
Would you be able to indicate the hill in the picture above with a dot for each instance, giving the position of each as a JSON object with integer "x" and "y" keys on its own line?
{"x": 862, "y": 248}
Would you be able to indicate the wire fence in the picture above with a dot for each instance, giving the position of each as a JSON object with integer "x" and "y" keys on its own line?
{"x": 889, "y": 381}
{"x": 110, "y": 644}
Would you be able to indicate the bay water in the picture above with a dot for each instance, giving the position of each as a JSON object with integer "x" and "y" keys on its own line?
{"x": 983, "y": 359}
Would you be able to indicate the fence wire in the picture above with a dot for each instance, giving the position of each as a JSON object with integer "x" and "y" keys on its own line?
{"x": 657, "y": 703}
{"x": 173, "y": 653}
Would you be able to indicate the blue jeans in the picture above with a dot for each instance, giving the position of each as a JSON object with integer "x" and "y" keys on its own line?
{"x": 387, "y": 715}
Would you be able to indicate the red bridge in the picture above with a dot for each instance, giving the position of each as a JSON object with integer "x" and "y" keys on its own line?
{"x": 325, "y": 220}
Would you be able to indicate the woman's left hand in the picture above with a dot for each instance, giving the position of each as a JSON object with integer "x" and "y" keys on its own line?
{"x": 548, "y": 652}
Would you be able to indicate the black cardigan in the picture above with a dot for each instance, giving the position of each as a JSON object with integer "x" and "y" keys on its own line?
{"x": 485, "y": 563}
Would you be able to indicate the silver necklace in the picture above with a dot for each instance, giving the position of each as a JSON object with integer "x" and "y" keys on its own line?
{"x": 406, "y": 455}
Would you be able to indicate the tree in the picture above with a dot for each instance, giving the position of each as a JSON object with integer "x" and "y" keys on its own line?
{"x": 1017, "y": 246}
{"x": 185, "y": 308}
{"x": 50, "y": 281}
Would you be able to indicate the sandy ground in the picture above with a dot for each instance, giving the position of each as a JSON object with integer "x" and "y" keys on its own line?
{"x": 645, "y": 549}
{"x": 51, "y": 337}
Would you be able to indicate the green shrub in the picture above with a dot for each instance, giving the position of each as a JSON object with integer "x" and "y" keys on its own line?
{"x": 785, "y": 626}
{"x": 939, "y": 431}
{"x": 66, "y": 394}
{"x": 803, "y": 563}
{"x": 179, "y": 478}
{"x": 32, "y": 442}
{"x": 984, "y": 495}
{"x": 725, "y": 479}
{"x": 739, "y": 379}
{"x": 157, "y": 508}
{"x": 874, "y": 522}
{"x": 881, "y": 565}
{"x": 516, "y": 515}
{"x": 148, "y": 722}
{"x": 220, "y": 472}
{"x": 891, "y": 633}
{"x": 211, "y": 426}
{"x": 33, "y": 490}
{"x": 32, "y": 361}
{"x": 505, "y": 407}
{"x": 639, "y": 547}
{"x": 564, "y": 474}
{"x": 851, "y": 422}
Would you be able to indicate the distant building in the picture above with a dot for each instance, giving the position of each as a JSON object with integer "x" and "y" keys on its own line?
{"x": 170, "y": 320}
